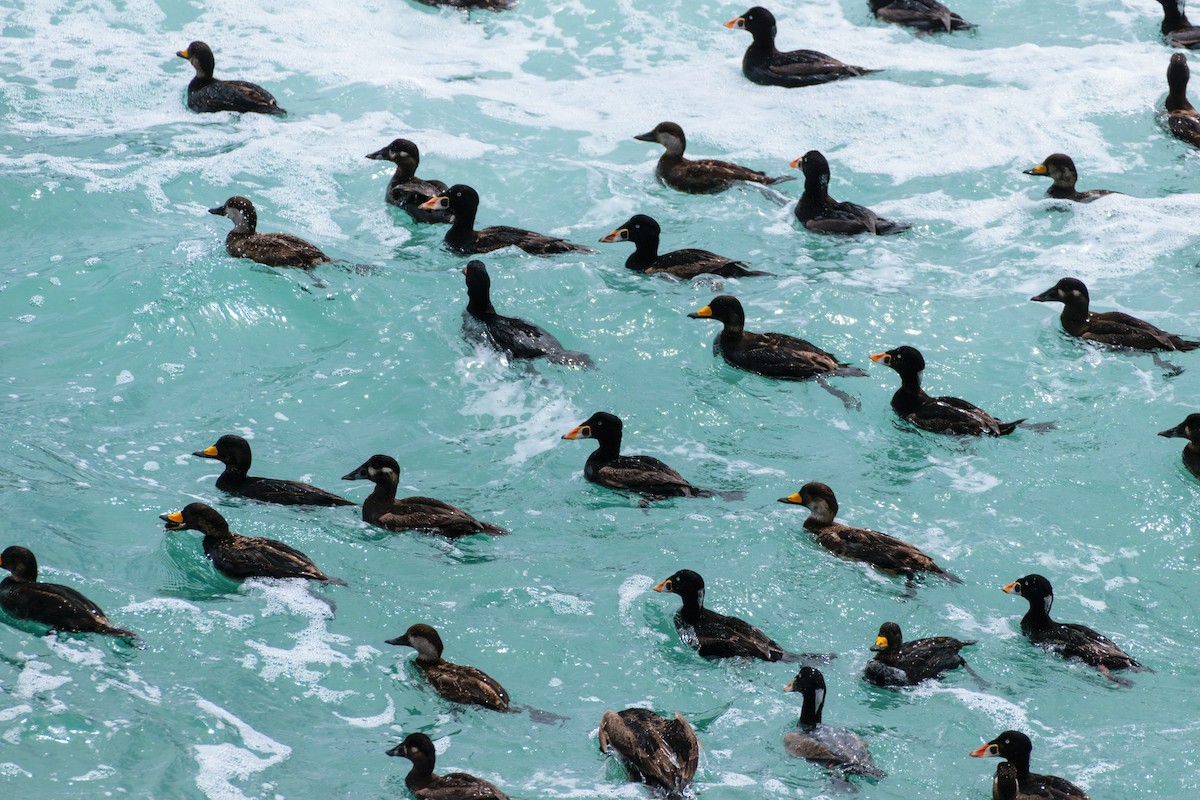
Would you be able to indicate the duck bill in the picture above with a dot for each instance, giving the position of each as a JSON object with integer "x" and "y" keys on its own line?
{"x": 738, "y": 23}
{"x": 791, "y": 687}
{"x": 665, "y": 586}
{"x": 881, "y": 643}
{"x": 208, "y": 452}
{"x": 378, "y": 155}
{"x": 881, "y": 358}
{"x": 434, "y": 203}
{"x": 398, "y": 750}
{"x": 703, "y": 313}
{"x": 400, "y": 641}
{"x": 174, "y": 521}
{"x": 985, "y": 751}
{"x": 578, "y": 432}
{"x": 1045, "y": 297}
{"x": 648, "y": 136}
{"x": 183, "y": 54}
{"x": 219, "y": 211}
{"x": 796, "y": 163}
{"x": 619, "y": 235}
{"x": 359, "y": 474}
{"x": 1040, "y": 169}
{"x": 793, "y": 499}
{"x": 1173, "y": 433}
{"x": 1012, "y": 588}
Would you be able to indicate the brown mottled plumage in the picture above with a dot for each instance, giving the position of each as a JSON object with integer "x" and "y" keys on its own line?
{"x": 272, "y": 249}
{"x": 1181, "y": 116}
{"x": 1112, "y": 328}
{"x": 455, "y": 682}
{"x": 405, "y": 190}
{"x": 704, "y": 176}
{"x": 661, "y": 752}
{"x": 927, "y": 16}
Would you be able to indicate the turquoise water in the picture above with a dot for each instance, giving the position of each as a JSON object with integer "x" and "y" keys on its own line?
{"x": 130, "y": 339}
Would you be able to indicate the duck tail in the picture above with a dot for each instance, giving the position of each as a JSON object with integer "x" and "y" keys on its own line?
{"x": 571, "y": 358}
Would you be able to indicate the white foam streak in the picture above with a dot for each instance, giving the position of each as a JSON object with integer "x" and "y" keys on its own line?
{"x": 218, "y": 763}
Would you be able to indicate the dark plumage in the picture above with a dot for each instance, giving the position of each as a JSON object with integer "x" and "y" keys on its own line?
{"x": 405, "y": 190}
{"x": 1181, "y": 116}
{"x": 487, "y": 5}
{"x": 272, "y": 249}
{"x": 463, "y": 203}
{"x": 820, "y": 213}
{"x": 510, "y": 335}
{"x": 421, "y": 781}
{"x": 1006, "y": 786}
{"x": 1061, "y": 170}
{"x": 1176, "y": 29}
{"x": 706, "y": 176}
{"x": 234, "y": 453}
{"x": 936, "y": 414}
{"x": 1067, "y": 639}
{"x": 1110, "y": 327}
{"x": 240, "y": 557}
{"x": 884, "y": 552}
{"x": 834, "y": 748}
{"x": 23, "y": 596}
{"x": 901, "y": 663}
{"x": 205, "y": 93}
{"x": 1016, "y": 748}
{"x": 766, "y": 64}
{"x": 424, "y": 514}
{"x": 662, "y": 752}
{"x": 644, "y": 232}
{"x": 455, "y": 682}
{"x": 927, "y": 16}
{"x": 1188, "y": 429}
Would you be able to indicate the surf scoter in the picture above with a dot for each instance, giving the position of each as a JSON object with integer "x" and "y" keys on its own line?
{"x": 949, "y": 415}
{"x": 662, "y": 752}
{"x": 1110, "y": 327}
{"x": 234, "y": 453}
{"x": 1176, "y": 29}
{"x": 1016, "y": 748}
{"x": 23, "y": 596}
{"x": 1181, "y": 116}
{"x": 881, "y": 551}
{"x": 837, "y": 749}
{"x": 240, "y": 557}
{"x": 1061, "y": 170}
{"x": 820, "y": 213}
{"x": 705, "y": 176}
{"x": 272, "y": 249}
{"x": 487, "y": 5}
{"x": 1188, "y": 429}
{"x": 901, "y": 663}
{"x": 421, "y": 781}
{"x": 511, "y": 335}
{"x": 927, "y": 16}
{"x": 405, "y": 190}
{"x": 411, "y": 513}
{"x": 206, "y": 93}
{"x": 455, "y": 682}
{"x": 765, "y": 64}
{"x": 686, "y": 264}
{"x": 463, "y": 203}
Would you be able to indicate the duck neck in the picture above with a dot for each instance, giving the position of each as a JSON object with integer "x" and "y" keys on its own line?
{"x": 402, "y": 173}
{"x": 1074, "y": 313}
{"x": 479, "y": 302}
{"x": 810, "y": 712}
{"x": 1174, "y": 17}
{"x": 1038, "y": 616}
{"x": 421, "y": 774}
{"x": 609, "y": 449}
{"x": 383, "y": 497}
{"x": 764, "y": 41}
{"x": 464, "y": 223}
{"x": 645, "y": 253}
{"x": 816, "y": 192}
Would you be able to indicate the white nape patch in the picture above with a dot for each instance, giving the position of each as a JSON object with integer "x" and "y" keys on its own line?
{"x": 384, "y": 717}
{"x": 221, "y": 763}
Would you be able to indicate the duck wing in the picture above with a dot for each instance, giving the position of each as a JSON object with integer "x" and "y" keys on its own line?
{"x": 1072, "y": 640}
{"x": 1185, "y": 125}
{"x": 664, "y": 752}
{"x": 928, "y": 658}
{"x": 778, "y": 355}
{"x": 810, "y": 63}
{"x": 1116, "y": 328}
{"x": 434, "y": 516}
{"x": 240, "y": 96}
{"x": 460, "y": 786}
{"x": 257, "y": 557}
{"x": 58, "y": 606}
{"x": 1051, "y": 787}
{"x": 642, "y": 474}
{"x": 956, "y": 416}
{"x": 925, "y": 15}
{"x": 834, "y": 748}
{"x": 467, "y": 685}
{"x": 721, "y": 636}
{"x": 275, "y": 249}
{"x": 690, "y": 263}
{"x": 878, "y": 549}
{"x": 288, "y": 493}
{"x": 714, "y": 170}
{"x": 538, "y": 244}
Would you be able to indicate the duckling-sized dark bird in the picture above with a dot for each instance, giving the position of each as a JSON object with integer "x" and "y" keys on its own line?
{"x": 411, "y": 513}
{"x": 1176, "y": 29}
{"x": 927, "y": 16}
{"x": 405, "y": 190}
{"x": 1016, "y": 748}
{"x": 949, "y": 415}
{"x": 686, "y": 264}
{"x": 886, "y": 553}
{"x": 421, "y": 781}
{"x": 705, "y": 176}
{"x": 820, "y": 213}
{"x": 205, "y": 93}
{"x": 510, "y": 335}
{"x": 661, "y": 752}
{"x": 901, "y": 663}
{"x": 23, "y": 596}
{"x": 644, "y": 475}
{"x": 486, "y": 5}
{"x": 1067, "y": 639}
{"x": 455, "y": 682}
{"x": 837, "y": 749}
{"x": 240, "y": 557}
{"x": 1061, "y": 169}
{"x": 234, "y": 452}
{"x": 1181, "y": 116}
{"x": 766, "y": 64}
{"x": 463, "y": 204}
{"x": 1188, "y": 429}
{"x": 272, "y": 249}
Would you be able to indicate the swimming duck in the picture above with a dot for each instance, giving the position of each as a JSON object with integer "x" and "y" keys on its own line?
{"x": 1176, "y": 29}
{"x": 421, "y": 781}
{"x": 936, "y": 414}
{"x": 1061, "y": 169}
{"x": 662, "y": 752}
{"x": 833, "y": 748}
{"x": 1188, "y": 429}
{"x": 510, "y": 335}
{"x": 927, "y": 16}
{"x": 901, "y": 663}
{"x": 1067, "y": 639}
{"x": 463, "y": 203}
{"x": 405, "y": 190}
{"x": 486, "y": 5}
{"x": 1181, "y": 116}
{"x": 765, "y": 64}
{"x": 706, "y": 176}
{"x": 1110, "y": 327}
{"x": 820, "y": 213}
{"x": 23, "y": 596}
{"x": 455, "y": 682}
{"x": 1016, "y": 748}
{"x": 686, "y": 264}
{"x": 272, "y": 249}
{"x": 881, "y": 551}
{"x": 234, "y": 453}
{"x": 239, "y": 557}
{"x": 411, "y": 513}
{"x": 206, "y": 93}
